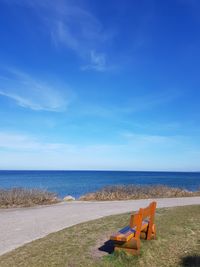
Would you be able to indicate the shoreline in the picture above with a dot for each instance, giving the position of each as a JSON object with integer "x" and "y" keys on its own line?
{"x": 22, "y": 197}
{"x": 78, "y": 183}
{"x": 76, "y": 202}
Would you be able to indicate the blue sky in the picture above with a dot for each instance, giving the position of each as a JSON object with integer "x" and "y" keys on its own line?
{"x": 104, "y": 85}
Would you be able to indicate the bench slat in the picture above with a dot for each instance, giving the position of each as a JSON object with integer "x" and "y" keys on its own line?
{"x": 126, "y": 233}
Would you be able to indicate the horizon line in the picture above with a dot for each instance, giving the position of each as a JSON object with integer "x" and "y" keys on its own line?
{"x": 96, "y": 170}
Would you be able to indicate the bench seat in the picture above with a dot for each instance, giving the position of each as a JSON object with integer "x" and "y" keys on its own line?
{"x": 126, "y": 233}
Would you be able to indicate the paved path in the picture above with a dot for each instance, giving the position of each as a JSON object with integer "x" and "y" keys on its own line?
{"x": 20, "y": 226}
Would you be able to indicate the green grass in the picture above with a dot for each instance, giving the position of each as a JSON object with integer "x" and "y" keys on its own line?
{"x": 177, "y": 244}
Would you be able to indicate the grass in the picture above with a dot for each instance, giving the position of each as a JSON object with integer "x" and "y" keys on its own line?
{"x": 127, "y": 192}
{"x": 177, "y": 244}
{"x": 20, "y": 197}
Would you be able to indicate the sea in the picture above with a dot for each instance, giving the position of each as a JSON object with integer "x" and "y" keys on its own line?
{"x": 77, "y": 183}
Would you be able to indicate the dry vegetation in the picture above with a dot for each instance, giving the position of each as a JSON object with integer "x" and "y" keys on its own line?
{"x": 177, "y": 244}
{"x": 20, "y": 197}
{"x": 127, "y": 192}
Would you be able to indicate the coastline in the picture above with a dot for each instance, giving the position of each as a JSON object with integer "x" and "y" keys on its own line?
{"x": 22, "y": 197}
{"x": 79, "y": 183}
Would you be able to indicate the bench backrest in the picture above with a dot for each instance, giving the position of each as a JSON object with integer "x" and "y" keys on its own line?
{"x": 148, "y": 212}
{"x": 137, "y": 219}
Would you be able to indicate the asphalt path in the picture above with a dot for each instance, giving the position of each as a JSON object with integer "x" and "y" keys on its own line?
{"x": 23, "y": 225}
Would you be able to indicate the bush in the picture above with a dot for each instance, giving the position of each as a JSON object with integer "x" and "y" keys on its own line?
{"x": 20, "y": 197}
{"x": 127, "y": 192}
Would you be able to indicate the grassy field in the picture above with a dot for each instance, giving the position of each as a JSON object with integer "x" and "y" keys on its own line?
{"x": 126, "y": 192}
{"x": 177, "y": 244}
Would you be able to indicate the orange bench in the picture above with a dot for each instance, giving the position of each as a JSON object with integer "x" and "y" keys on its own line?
{"x": 141, "y": 226}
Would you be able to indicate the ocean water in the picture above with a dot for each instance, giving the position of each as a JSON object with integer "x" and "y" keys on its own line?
{"x": 77, "y": 183}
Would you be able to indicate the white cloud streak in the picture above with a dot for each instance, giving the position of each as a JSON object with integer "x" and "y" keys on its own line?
{"x": 22, "y": 142}
{"x": 148, "y": 139}
{"x": 15, "y": 141}
{"x": 74, "y": 27}
{"x": 132, "y": 105}
{"x": 82, "y": 32}
{"x": 30, "y": 93}
{"x": 98, "y": 62}
{"x": 146, "y": 152}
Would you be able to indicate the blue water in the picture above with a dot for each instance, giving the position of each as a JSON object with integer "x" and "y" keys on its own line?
{"x": 77, "y": 183}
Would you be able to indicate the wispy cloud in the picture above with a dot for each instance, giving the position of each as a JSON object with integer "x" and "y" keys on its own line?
{"x": 148, "y": 138}
{"x": 130, "y": 105}
{"x": 81, "y": 31}
{"x": 26, "y": 143}
{"x": 76, "y": 28}
{"x": 153, "y": 99}
{"x": 146, "y": 152}
{"x": 23, "y": 142}
{"x": 30, "y": 93}
{"x": 19, "y": 151}
{"x": 29, "y": 143}
{"x": 97, "y": 62}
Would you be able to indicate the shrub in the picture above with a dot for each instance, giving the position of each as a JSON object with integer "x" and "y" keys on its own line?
{"x": 20, "y": 197}
{"x": 127, "y": 192}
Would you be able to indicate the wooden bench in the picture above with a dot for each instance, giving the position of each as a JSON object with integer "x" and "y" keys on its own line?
{"x": 141, "y": 226}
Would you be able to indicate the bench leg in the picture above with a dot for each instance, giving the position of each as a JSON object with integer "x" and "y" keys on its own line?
{"x": 153, "y": 236}
{"x": 144, "y": 234}
{"x": 131, "y": 247}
